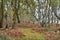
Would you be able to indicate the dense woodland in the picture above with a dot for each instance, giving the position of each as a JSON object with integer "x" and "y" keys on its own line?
{"x": 41, "y": 11}
{"x": 42, "y": 16}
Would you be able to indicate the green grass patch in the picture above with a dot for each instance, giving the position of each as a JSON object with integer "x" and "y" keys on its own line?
{"x": 49, "y": 28}
{"x": 31, "y": 35}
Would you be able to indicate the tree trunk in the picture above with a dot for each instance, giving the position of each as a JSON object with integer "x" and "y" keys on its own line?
{"x": 1, "y": 20}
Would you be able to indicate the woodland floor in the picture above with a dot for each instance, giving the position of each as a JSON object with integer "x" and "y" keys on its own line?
{"x": 25, "y": 31}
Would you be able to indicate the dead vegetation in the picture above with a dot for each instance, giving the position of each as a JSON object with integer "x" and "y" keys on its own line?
{"x": 49, "y": 35}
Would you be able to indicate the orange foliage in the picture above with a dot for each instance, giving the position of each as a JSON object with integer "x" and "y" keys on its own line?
{"x": 15, "y": 33}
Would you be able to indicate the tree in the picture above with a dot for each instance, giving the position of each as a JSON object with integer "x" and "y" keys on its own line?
{"x": 2, "y": 12}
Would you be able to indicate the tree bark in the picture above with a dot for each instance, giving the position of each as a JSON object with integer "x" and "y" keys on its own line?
{"x": 1, "y": 20}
